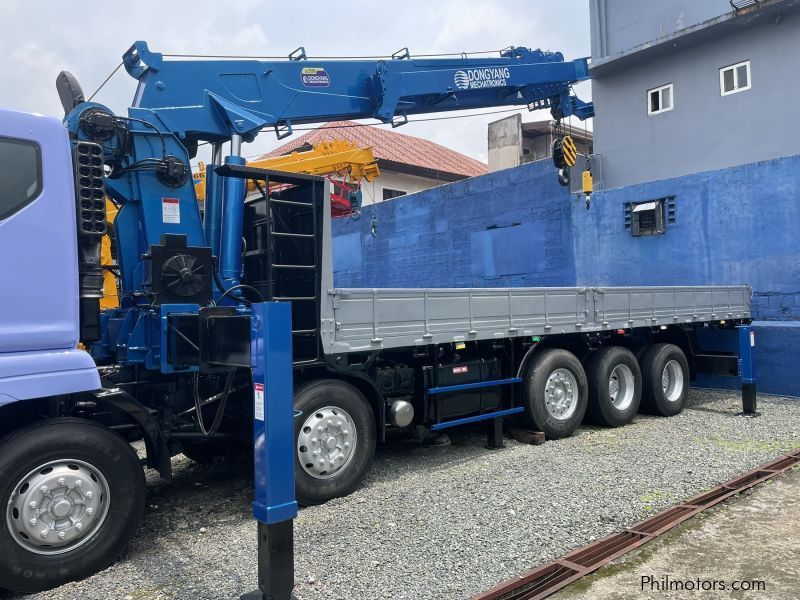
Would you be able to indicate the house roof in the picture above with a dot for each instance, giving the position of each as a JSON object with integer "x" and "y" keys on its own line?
{"x": 394, "y": 151}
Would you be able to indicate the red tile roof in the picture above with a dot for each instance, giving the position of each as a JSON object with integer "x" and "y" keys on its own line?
{"x": 391, "y": 147}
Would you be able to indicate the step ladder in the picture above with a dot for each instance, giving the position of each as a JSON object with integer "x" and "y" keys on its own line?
{"x": 283, "y": 251}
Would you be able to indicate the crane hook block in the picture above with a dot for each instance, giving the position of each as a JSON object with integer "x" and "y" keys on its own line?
{"x": 588, "y": 182}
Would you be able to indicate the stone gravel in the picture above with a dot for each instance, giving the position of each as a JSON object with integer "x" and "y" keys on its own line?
{"x": 447, "y": 522}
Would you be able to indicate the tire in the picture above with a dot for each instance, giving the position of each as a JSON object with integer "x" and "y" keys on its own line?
{"x": 615, "y": 386}
{"x": 655, "y": 398}
{"x": 347, "y": 418}
{"x": 565, "y": 368}
{"x": 75, "y": 451}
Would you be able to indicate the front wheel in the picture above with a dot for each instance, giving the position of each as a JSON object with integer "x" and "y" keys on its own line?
{"x": 72, "y": 493}
{"x": 335, "y": 440}
{"x": 555, "y": 393}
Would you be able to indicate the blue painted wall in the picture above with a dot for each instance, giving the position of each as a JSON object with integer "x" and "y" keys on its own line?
{"x": 507, "y": 228}
{"x": 733, "y": 226}
{"x": 518, "y": 227}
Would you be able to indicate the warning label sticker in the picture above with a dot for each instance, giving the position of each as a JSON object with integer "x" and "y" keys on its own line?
{"x": 170, "y": 210}
{"x": 458, "y": 370}
{"x": 258, "y": 401}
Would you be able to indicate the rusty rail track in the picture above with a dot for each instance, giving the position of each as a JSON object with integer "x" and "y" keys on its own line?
{"x": 550, "y": 577}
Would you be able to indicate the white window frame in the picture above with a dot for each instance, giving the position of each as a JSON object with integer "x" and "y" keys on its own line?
{"x": 736, "y": 89}
{"x": 659, "y": 89}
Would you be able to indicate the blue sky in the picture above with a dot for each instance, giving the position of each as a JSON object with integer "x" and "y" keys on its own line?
{"x": 88, "y": 39}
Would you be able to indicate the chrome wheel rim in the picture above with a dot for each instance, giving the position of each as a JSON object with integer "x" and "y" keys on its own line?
{"x": 326, "y": 442}
{"x": 621, "y": 387}
{"x": 58, "y": 507}
{"x": 561, "y": 394}
{"x": 672, "y": 381}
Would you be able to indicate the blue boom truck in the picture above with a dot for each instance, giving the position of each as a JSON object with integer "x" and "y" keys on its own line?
{"x": 196, "y": 359}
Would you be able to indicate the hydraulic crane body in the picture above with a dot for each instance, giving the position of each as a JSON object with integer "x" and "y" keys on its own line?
{"x": 187, "y": 363}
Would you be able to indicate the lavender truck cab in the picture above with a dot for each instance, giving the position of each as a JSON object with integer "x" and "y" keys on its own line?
{"x": 63, "y": 478}
{"x": 39, "y": 321}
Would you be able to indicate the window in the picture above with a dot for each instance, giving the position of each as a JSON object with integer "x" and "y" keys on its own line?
{"x": 20, "y": 175}
{"x": 659, "y": 99}
{"x": 651, "y": 217}
{"x": 735, "y": 78}
{"x": 388, "y": 194}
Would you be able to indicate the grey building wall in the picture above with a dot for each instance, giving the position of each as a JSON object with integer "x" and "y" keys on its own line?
{"x": 704, "y": 131}
{"x": 620, "y": 25}
{"x": 505, "y": 141}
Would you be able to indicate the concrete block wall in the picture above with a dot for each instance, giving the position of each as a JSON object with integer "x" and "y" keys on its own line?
{"x": 507, "y": 228}
{"x": 518, "y": 227}
{"x": 733, "y": 226}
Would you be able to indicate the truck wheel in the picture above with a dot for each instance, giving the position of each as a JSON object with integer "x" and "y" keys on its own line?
{"x": 335, "y": 440}
{"x": 555, "y": 393}
{"x": 615, "y": 386}
{"x": 72, "y": 494}
{"x": 665, "y": 376}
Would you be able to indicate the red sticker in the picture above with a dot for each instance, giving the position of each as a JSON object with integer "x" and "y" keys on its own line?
{"x": 457, "y": 370}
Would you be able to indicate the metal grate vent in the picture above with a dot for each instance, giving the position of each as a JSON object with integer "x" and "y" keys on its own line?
{"x": 650, "y": 217}
{"x": 740, "y": 5}
{"x": 89, "y": 189}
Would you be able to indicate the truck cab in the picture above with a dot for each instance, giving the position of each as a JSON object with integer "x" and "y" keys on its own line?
{"x": 58, "y": 473}
{"x": 39, "y": 320}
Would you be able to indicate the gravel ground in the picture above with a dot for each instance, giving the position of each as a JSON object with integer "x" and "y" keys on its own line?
{"x": 443, "y": 522}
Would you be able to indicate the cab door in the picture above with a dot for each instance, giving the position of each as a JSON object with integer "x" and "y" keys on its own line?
{"x": 38, "y": 250}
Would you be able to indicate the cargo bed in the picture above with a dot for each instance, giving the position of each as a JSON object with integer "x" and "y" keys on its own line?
{"x": 357, "y": 320}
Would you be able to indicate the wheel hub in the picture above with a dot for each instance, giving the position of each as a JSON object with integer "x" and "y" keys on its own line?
{"x": 57, "y": 507}
{"x": 621, "y": 387}
{"x": 672, "y": 380}
{"x": 561, "y": 392}
{"x": 326, "y": 442}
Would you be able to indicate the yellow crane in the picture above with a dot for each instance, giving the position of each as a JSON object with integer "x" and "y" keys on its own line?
{"x": 332, "y": 158}
{"x": 338, "y": 157}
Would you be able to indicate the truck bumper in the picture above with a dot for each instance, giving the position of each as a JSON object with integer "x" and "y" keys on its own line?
{"x": 26, "y": 375}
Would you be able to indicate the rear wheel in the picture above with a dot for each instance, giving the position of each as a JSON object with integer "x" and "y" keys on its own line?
{"x": 555, "y": 393}
{"x": 72, "y": 493}
{"x": 665, "y": 375}
{"x": 615, "y": 386}
{"x": 335, "y": 440}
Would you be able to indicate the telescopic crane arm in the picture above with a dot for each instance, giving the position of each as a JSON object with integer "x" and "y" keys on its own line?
{"x": 212, "y": 99}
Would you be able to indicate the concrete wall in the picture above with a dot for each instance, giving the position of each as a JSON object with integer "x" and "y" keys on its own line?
{"x": 509, "y": 228}
{"x": 505, "y": 143}
{"x": 372, "y": 192}
{"x": 620, "y": 25}
{"x": 705, "y": 130}
{"x": 518, "y": 227}
{"x": 732, "y": 226}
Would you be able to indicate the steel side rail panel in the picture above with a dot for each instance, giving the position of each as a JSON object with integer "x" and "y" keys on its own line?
{"x": 273, "y": 423}
{"x": 364, "y": 319}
